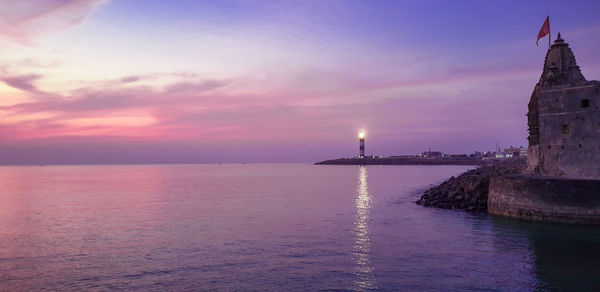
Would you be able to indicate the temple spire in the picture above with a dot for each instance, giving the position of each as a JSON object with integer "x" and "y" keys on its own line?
{"x": 559, "y": 40}
{"x": 560, "y": 67}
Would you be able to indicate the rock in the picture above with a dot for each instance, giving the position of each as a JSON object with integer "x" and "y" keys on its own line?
{"x": 469, "y": 191}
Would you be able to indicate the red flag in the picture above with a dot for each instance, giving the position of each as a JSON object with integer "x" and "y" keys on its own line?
{"x": 545, "y": 30}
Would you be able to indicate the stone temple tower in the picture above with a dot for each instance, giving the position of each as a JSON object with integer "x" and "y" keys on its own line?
{"x": 564, "y": 120}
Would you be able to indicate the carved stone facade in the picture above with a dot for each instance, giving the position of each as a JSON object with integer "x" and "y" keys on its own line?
{"x": 564, "y": 119}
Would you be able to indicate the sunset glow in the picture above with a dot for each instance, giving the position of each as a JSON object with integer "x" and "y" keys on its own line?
{"x": 202, "y": 77}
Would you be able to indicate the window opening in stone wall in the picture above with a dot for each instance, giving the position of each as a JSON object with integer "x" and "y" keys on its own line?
{"x": 565, "y": 129}
{"x": 585, "y": 103}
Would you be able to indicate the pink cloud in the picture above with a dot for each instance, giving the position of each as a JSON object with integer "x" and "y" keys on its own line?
{"x": 130, "y": 79}
{"x": 23, "y": 20}
{"x": 196, "y": 87}
{"x": 193, "y": 110}
{"x": 22, "y": 82}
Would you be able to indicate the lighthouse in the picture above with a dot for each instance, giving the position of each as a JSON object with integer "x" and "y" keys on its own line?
{"x": 361, "y": 139}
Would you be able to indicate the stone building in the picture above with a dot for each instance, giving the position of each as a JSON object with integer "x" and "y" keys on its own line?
{"x": 564, "y": 119}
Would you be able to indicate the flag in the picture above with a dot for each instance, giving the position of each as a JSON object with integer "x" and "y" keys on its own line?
{"x": 545, "y": 30}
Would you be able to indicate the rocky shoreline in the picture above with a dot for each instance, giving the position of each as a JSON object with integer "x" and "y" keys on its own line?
{"x": 469, "y": 191}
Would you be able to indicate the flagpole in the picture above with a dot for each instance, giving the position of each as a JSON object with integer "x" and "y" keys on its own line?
{"x": 549, "y": 33}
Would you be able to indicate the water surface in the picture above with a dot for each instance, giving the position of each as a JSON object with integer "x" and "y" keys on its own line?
{"x": 269, "y": 227}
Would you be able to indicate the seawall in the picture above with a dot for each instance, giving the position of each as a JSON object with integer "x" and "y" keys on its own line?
{"x": 546, "y": 199}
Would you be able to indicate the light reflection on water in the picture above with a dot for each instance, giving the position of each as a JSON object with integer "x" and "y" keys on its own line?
{"x": 362, "y": 242}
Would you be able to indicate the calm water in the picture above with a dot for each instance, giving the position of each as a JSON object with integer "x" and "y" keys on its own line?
{"x": 269, "y": 227}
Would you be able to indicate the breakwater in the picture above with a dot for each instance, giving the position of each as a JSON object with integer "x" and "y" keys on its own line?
{"x": 403, "y": 161}
{"x": 469, "y": 191}
{"x": 504, "y": 189}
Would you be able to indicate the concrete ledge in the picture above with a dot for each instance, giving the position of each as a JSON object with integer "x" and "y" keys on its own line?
{"x": 547, "y": 199}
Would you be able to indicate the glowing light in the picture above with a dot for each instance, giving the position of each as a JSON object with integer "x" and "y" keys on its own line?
{"x": 362, "y": 241}
{"x": 361, "y": 135}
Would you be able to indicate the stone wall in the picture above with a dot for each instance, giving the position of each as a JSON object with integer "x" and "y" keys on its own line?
{"x": 545, "y": 199}
{"x": 569, "y": 142}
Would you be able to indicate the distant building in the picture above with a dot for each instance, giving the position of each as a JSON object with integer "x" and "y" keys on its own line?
{"x": 564, "y": 119}
{"x": 488, "y": 155}
{"x": 477, "y": 155}
{"x": 459, "y": 156}
{"x": 432, "y": 154}
{"x": 404, "y": 156}
{"x": 512, "y": 152}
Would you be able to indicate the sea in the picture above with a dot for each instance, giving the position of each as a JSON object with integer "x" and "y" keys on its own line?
{"x": 270, "y": 227}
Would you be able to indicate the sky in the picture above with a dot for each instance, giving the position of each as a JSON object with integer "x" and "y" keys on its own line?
{"x": 144, "y": 81}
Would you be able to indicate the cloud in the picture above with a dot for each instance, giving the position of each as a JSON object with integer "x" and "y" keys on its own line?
{"x": 195, "y": 87}
{"x": 92, "y": 100}
{"x": 22, "y": 82}
{"x": 221, "y": 110}
{"x": 22, "y": 21}
{"x": 130, "y": 79}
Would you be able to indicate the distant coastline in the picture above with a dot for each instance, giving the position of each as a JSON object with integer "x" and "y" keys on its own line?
{"x": 405, "y": 160}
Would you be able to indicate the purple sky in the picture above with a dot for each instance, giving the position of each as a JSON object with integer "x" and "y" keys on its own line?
{"x": 257, "y": 81}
